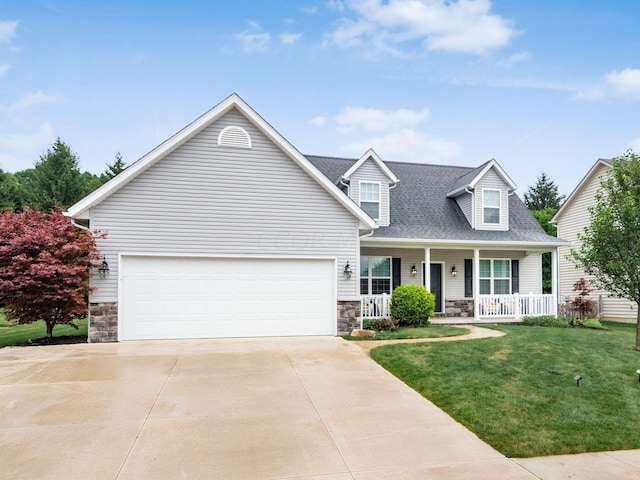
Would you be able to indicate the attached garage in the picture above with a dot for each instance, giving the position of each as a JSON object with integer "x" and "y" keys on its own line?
{"x": 168, "y": 297}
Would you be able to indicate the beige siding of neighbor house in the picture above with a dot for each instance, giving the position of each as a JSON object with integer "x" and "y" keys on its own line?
{"x": 493, "y": 181}
{"x": 570, "y": 223}
{"x": 370, "y": 172}
{"x": 205, "y": 199}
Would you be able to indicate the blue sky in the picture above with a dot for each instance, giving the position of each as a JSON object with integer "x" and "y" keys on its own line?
{"x": 540, "y": 86}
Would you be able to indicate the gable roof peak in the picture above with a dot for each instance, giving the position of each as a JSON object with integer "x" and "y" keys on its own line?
{"x": 371, "y": 154}
{"x": 469, "y": 180}
{"x": 81, "y": 209}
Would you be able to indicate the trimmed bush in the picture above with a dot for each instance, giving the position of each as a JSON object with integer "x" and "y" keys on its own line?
{"x": 546, "y": 321}
{"x": 382, "y": 325}
{"x": 412, "y": 305}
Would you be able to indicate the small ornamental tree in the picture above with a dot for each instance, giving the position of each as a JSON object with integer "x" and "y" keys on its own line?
{"x": 45, "y": 265}
{"x": 412, "y": 305}
{"x": 582, "y": 304}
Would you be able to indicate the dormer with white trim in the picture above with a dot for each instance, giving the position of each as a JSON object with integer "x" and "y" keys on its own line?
{"x": 369, "y": 181}
{"x": 483, "y": 196}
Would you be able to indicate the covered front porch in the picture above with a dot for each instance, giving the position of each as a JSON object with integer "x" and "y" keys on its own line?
{"x": 508, "y": 281}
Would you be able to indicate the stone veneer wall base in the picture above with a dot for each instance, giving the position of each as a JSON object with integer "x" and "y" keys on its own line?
{"x": 349, "y": 316}
{"x": 103, "y": 322}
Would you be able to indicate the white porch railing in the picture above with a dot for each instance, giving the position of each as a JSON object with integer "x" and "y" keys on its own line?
{"x": 375, "y": 306}
{"x": 516, "y": 305}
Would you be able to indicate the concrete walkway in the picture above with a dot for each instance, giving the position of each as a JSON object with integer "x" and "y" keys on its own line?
{"x": 276, "y": 408}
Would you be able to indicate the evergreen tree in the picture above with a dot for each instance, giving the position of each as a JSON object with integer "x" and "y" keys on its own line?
{"x": 543, "y": 195}
{"x": 55, "y": 179}
{"x": 113, "y": 169}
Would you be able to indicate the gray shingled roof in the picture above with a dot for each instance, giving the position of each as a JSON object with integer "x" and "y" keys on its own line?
{"x": 421, "y": 209}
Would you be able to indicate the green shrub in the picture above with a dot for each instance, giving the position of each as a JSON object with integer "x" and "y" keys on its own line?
{"x": 382, "y": 325}
{"x": 546, "y": 321}
{"x": 593, "y": 323}
{"x": 412, "y": 305}
{"x": 366, "y": 324}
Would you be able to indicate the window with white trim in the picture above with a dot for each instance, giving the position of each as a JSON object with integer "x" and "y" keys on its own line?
{"x": 375, "y": 275}
{"x": 491, "y": 206}
{"x": 370, "y": 199}
{"x": 495, "y": 277}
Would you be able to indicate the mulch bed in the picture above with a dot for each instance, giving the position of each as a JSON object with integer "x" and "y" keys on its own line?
{"x": 63, "y": 340}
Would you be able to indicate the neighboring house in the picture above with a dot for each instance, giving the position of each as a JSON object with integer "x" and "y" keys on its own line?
{"x": 571, "y": 219}
{"x": 226, "y": 230}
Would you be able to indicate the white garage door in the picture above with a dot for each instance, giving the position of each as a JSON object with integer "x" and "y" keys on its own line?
{"x": 176, "y": 297}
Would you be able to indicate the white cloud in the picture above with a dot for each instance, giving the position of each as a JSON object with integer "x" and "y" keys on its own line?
{"x": 318, "y": 121}
{"x": 309, "y": 10}
{"x": 4, "y": 68}
{"x": 463, "y": 26}
{"x": 406, "y": 145}
{"x": 34, "y": 99}
{"x": 376, "y": 120}
{"x": 290, "y": 38}
{"x": 19, "y": 151}
{"x": 7, "y": 31}
{"x": 515, "y": 58}
{"x": 625, "y": 83}
{"x": 394, "y": 134}
{"x": 253, "y": 41}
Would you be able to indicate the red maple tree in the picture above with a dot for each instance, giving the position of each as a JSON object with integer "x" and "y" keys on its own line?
{"x": 45, "y": 266}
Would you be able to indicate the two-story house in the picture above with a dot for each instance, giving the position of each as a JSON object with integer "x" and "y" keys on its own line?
{"x": 227, "y": 230}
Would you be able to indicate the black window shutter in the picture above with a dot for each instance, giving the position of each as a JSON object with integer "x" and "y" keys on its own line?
{"x": 468, "y": 278}
{"x": 515, "y": 276}
{"x": 396, "y": 272}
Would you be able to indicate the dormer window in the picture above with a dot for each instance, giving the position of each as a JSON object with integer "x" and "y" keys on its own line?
{"x": 370, "y": 199}
{"x": 491, "y": 206}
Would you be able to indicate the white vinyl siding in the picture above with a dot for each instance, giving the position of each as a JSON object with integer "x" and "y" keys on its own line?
{"x": 572, "y": 223}
{"x": 465, "y": 202}
{"x": 491, "y": 181}
{"x": 206, "y": 199}
{"x": 369, "y": 172}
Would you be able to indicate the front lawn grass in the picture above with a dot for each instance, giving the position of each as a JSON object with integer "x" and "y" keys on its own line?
{"x": 11, "y": 334}
{"x": 434, "y": 331}
{"x": 517, "y": 392}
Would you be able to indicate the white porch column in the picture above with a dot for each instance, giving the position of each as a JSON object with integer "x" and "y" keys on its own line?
{"x": 555, "y": 276}
{"x": 427, "y": 269}
{"x": 476, "y": 283}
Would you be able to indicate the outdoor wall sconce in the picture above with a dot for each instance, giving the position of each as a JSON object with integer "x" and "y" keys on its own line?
{"x": 454, "y": 272}
{"x": 638, "y": 372}
{"x": 577, "y": 378}
{"x": 347, "y": 271}
{"x": 103, "y": 270}
{"x": 414, "y": 270}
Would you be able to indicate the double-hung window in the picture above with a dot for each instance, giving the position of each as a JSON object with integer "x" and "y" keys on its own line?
{"x": 375, "y": 275}
{"x": 491, "y": 206}
{"x": 370, "y": 199}
{"x": 495, "y": 277}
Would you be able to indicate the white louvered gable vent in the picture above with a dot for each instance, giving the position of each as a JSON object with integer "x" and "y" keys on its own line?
{"x": 233, "y": 136}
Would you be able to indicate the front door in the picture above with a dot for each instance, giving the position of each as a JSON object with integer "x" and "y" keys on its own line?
{"x": 436, "y": 284}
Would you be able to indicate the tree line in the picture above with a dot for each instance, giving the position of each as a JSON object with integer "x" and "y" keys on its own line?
{"x": 54, "y": 181}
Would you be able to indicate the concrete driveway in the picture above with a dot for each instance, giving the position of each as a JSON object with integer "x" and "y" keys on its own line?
{"x": 231, "y": 409}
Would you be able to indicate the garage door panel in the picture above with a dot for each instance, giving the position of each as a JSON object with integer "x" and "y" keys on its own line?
{"x": 173, "y": 297}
